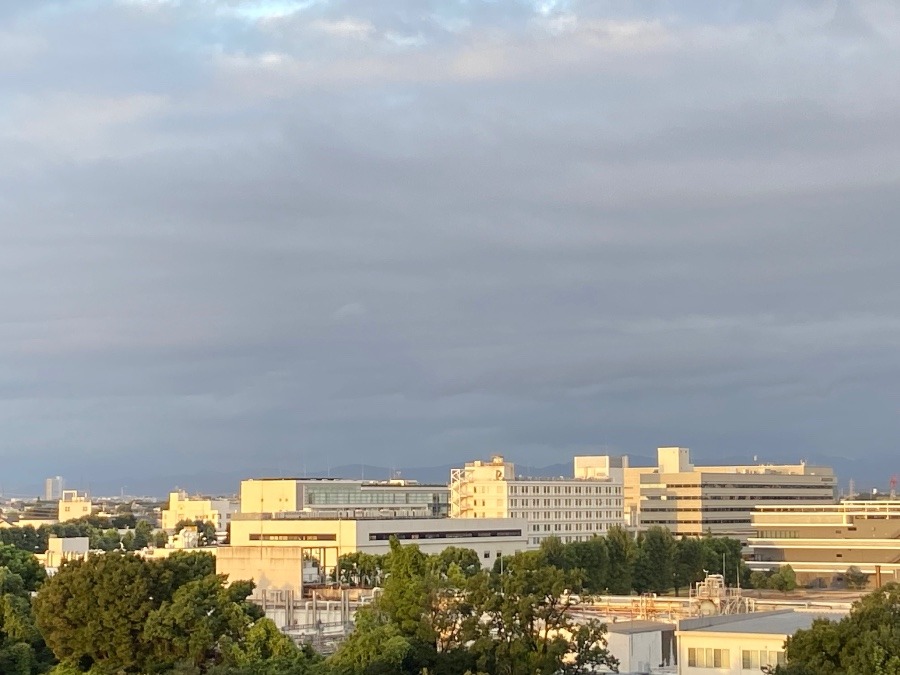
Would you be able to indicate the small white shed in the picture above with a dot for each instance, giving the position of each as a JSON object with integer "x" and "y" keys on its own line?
{"x": 642, "y": 646}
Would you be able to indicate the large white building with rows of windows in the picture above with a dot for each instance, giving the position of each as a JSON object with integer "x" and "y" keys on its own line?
{"x": 572, "y": 509}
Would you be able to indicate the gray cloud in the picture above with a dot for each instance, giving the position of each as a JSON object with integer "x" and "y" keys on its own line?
{"x": 243, "y": 234}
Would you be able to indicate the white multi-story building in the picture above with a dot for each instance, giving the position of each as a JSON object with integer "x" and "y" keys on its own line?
{"x": 572, "y": 509}
{"x": 53, "y": 488}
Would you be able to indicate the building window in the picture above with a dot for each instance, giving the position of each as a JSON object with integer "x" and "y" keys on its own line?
{"x": 751, "y": 659}
{"x": 708, "y": 658}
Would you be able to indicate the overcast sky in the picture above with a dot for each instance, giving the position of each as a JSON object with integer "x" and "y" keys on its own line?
{"x": 245, "y": 234}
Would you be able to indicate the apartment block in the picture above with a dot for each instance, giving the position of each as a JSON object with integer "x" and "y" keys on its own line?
{"x": 572, "y": 509}
{"x": 822, "y": 541}
{"x": 693, "y": 500}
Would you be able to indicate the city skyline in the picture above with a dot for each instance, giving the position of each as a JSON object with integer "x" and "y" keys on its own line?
{"x": 281, "y": 234}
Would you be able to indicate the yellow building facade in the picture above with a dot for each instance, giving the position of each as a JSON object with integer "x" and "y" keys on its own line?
{"x": 693, "y": 500}
{"x": 74, "y": 505}
{"x": 183, "y": 507}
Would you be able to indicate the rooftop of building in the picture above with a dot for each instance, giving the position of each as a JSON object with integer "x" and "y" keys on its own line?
{"x": 391, "y": 483}
{"x": 362, "y": 514}
{"x": 767, "y": 623}
{"x": 632, "y": 627}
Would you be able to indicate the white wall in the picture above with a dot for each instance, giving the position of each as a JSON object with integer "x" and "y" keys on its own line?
{"x": 637, "y": 652}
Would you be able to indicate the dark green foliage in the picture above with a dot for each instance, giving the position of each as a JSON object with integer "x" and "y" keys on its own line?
{"x": 783, "y": 579}
{"x": 465, "y": 559}
{"x": 855, "y": 578}
{"x": 94, "y": 611}
{"x": 24, "y": 564}
{"x": 194, "y": 623}
{"x": 180, "y": 568}
{"x": 118, "y": 612}
{"x": 622, "y": 551}
{"x": 719, "y": 550}
{"x": 689, "y": 561}
{"x": 866, "y": 642}
{"x": 654, "y": 564}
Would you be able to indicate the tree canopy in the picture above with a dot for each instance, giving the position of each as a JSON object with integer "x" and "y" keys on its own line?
{"x": 865, "y": 642}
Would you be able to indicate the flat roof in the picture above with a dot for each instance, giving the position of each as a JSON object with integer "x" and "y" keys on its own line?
{"x": 787, "y": 623}
{"x": 630, "y": 627}
{"x": 365, "y": 482}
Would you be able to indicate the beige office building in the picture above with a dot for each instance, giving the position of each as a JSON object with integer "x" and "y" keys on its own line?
{"x": 821, "y": 542}
{"x": 573, "y": 509}
{"x": 182, "y": 507}
{"x": 288, "y": 495}
{"x": 271, "y": 548}
{"x": 74, "y": 505}
{"x": 693, "y": 500}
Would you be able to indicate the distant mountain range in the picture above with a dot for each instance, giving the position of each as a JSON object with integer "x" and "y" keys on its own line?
{"x": 866, "y": 472}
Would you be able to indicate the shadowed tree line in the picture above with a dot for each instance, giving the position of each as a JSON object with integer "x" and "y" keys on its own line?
{"x": 437, "y": 615}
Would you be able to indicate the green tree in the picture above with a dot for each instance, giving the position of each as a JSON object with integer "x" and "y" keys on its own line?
{"x": 856, "y": 578}
{"x": 724, "y": 550}
{"x": 621, "y": 548}
{"x": 654, "y": 564}
{"x": 24, "y": 564}
{"x": 525, "y": 625}
{"x": 93, "y": 611}
{"x": 25, "y": 538}
{"x": 465, "y": 559}
{"x": 376, "y": 646}
{"x": 591, "y": 557}
{"x": 689, "y": 561}
{"x": 22, "y": 649}
{"x": 143, "y": 533}
{"x": 190, "y": 627}
{"x": 866, "y": 642}
{"x": 784, "y": 579}
{"x": 180, "y": 568}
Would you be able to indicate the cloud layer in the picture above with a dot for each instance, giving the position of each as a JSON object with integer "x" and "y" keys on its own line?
{"x": 250, "y": 234}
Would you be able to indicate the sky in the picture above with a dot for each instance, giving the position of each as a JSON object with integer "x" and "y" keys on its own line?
{"x": 260, "y": 235}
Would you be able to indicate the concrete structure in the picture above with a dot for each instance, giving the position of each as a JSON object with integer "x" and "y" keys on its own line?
{"x": 642, "y": 646}
{"x": 693, "y": 500}
{"x": 277, "y": 495}
{"x": 182, "y": 507}
{"x": 53, "y": 488}
{"x": 738, "y": 644}
{"x": 74, "y": 505}
{"x": 271, "y": 548}
{"x": 822, "y": 541}
{"x": 61, "y": 549}
{"x": 573, "y": 509}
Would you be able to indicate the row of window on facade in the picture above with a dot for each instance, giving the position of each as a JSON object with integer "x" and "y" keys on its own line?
{"x": 549, "y": 489}
{"x": 568, "y": 527}
{"x": 751, "y": 659}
